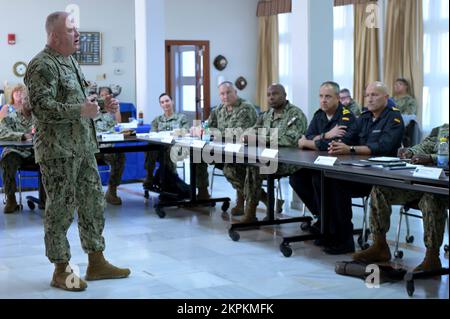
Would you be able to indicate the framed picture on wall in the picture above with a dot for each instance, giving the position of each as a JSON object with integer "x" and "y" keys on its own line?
{"x": 90, "y": 52}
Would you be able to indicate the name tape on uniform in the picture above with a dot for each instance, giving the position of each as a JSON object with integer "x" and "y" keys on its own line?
{"x": 428, "y": 172}
{"x": 325, "y": 160}
{"x": 269, "y": 153}
{"x": 232, "y": 148}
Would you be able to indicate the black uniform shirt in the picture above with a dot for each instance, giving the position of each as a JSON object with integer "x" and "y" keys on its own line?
{"x": 320, "y": 124}
{"x": 383, "y": 136}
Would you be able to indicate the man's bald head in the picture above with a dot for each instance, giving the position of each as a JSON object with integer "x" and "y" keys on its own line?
{"x": 277, "y": 86}
{"x": 376, "y": 97}
{"x": 55, "y": 21}
{"x": 379, "y": 87}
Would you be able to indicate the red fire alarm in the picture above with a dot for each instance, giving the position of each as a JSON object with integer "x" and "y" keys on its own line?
{"x": 11, "y": 38}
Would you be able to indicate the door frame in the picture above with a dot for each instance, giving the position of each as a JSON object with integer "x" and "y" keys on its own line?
{"x": 206, "y": 72}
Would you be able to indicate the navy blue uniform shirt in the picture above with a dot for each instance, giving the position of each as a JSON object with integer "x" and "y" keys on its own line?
{"x": 320, "y": 124}
{"x": 383, "y": 136}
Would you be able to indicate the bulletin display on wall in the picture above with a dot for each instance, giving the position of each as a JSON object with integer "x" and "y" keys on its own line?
{"x": 90, "y": 52}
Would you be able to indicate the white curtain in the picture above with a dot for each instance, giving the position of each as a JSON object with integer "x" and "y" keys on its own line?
{"x": 343, "y": 46}
{"x": 285, "y": 53}
{"x": 435, "y": 91}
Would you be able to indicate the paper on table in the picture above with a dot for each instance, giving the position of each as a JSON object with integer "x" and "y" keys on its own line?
{"x": 384, "y": 159}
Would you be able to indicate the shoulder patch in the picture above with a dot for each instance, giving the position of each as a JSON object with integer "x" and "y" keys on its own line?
{"x": 345, "y": 111}
{"x": 395, "y": 109}
{"x": 345, "y": 119}
{"x": 397, "y": 120}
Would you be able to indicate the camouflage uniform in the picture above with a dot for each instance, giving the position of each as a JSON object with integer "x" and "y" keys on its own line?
{"x": 242, "y": 116}
{"x": 406, "y": 104}
{"x": 12, "y": 128}
{"x": 105, "y": 122}
{"x": 291, "y": 125}
{"x": 64, "y": 147}
{"x": 433, "y": 206}
{"x": 163, "y": 123}
{"x": 355, "y": 108}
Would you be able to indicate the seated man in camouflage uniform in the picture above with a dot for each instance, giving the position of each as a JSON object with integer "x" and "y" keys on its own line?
{"x": 347, "y": 101}
{"x": 291, "y": 124}
{"x": 166, "y": 122}
{"x": 105, "y": 122}
{"x": 433, "y": 209}
{"x": 233, "y": 115}
{"x": 16, "y": 126}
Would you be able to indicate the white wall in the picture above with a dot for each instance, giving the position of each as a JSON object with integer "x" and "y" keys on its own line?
{"x": 312, "y": 51}
{"x": 114, "y": 18}
{"x": 231, "y": 26}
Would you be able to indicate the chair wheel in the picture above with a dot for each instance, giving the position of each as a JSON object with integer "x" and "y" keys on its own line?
{"x": 31, "y": 205}
{"x": 225, "y": 206}
{"x": 365, "y": 246}
{"x": 305, "y": 226}
{"x": 446, "y": 248}
{"x": 398, "y": 254}
{"x": 160, "y": 212}
{"x": 409, "y": 239}
{"x": 234, "y": 235}
{"x": 286, "y": 250}
{"x": 410, "y": 287}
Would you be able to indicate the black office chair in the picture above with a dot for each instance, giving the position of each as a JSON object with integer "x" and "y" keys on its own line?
{"x": 23, "y": 173}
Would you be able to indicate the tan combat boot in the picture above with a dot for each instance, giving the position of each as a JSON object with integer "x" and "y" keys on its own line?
{"x": 111, "y": 196}
{"x": 378, "y": 252}
{"x": 64, "y": 278}
{"x": 98, "y": 268}
{"x": 265, "y": 200}
{"x": 203, "y": 193}
{"x": 431, "y": 261}
{"x": 11, "y": 205}
{"x": 250, "y": 213}
{"x": 238, "y": 210}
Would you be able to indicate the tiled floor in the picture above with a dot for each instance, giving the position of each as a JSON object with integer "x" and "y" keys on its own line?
{"x": 188, "y": 254}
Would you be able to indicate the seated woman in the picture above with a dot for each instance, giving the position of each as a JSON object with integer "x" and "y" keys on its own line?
{"x": 105, "y": 122}
{"x": 168, "y": 121}
{"x": 402, "y": 98}
{"x": 16, "y": 125}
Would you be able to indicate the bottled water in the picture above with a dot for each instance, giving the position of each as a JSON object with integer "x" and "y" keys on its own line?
{"x": 206, "y": 134}
{"x": 442, "y": 154}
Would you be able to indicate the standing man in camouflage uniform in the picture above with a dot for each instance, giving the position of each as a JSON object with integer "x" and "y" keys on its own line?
{"x": 291, "y": 124}
{"x": 347, "y": 101}
{"x": 233, "y": 116}
{"x": 403, "y": 100}
{"x": 16, "y": 126}
{"x": 105, "y": 122}
{"x": 65, "y": 147}
{"x": 433, "y": 208}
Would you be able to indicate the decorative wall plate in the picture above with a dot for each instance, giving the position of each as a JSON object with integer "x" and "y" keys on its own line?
{"x": 220, "y": 62}
{"x": 241, "y": 83}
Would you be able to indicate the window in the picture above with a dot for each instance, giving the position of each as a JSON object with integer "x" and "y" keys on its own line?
{"x": 435, "y": 91}
{"x": 343, "y": 46}
{"x": 285, "y": 53}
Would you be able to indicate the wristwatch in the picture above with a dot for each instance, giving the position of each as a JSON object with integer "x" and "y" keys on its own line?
{"x": 352, "y": 150}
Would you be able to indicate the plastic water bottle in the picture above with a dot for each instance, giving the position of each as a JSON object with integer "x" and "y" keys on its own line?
{"x": 206, "y": 134}
{"x": 442, "y": 154}
{"x": 141, "y": 118}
